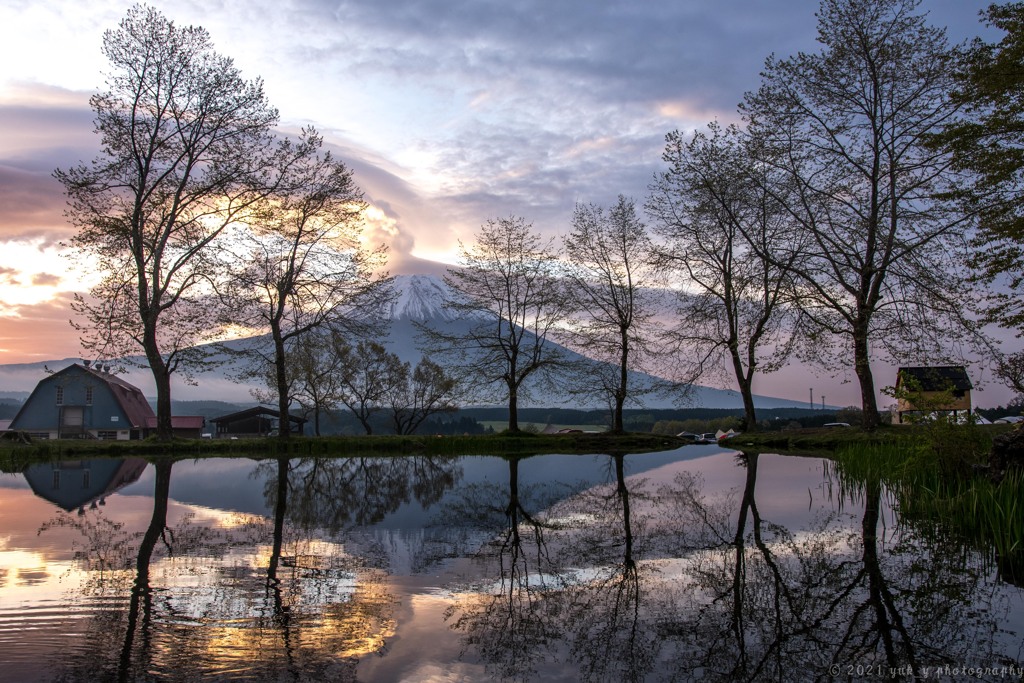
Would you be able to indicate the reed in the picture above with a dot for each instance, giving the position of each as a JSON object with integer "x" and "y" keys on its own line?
{"x": 926, "y": 492}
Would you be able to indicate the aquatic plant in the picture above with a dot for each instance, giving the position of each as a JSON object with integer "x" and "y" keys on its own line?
{"x": 931, "y": 494}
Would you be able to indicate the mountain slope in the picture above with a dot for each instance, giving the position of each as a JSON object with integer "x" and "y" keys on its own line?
{"x": 420, "y": 301}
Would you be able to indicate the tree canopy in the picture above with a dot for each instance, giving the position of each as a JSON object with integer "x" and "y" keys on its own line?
{"x": 988, "y": 143}
{"x": 183, "y": 147}
{"x": 882, "y": 252}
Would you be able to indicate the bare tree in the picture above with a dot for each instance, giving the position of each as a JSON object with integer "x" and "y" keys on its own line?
{"x": 368, "y": 373}
{"x": 511, "y": 300}
{"x": 301, "y": 265}
{"x": 313, "y": 371}
{"x": 726, "y": 244}
{"x": 183, "y": 138}
{"x": 418, "y": 393}
{"x": 847, "y": 126}
{"x": 608, "y": 270}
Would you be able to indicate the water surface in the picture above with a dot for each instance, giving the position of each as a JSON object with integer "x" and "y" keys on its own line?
{"x": 695, "y": 564}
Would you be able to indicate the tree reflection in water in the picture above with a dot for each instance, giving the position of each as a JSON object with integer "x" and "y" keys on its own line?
{"x": 245, "y": 596}
{"x": 787, "y": 607}
{"x": 513, "y": 617}
{"x": 640, "y": 581}
{"x": 611, "y": 622}
{"x": 642, "y": 578}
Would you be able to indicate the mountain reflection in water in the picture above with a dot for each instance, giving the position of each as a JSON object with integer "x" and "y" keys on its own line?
{"x": 696, "y": 564}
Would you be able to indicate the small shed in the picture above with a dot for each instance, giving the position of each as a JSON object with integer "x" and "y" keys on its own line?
{"x": 923, "y": 391}
{"x": 182, "y": 426}
{"x": 255, "y": 422}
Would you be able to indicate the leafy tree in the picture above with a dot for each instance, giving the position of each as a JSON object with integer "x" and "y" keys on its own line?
{"x": 881, "y": 268}
{"x": 608, "y": 270}
{"x": 987, "y": 142}
{"x": 512, "y": 300}
{"x": 1011, "y": 372}
{"x": 727, "y": 242}
{"x": 298, "y": 264}
{"x": 183, "y": 139}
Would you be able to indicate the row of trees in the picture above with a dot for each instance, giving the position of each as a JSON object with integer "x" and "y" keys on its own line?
{"x": 837, "y": 223}
{"x": 840, "y": 222}
{"x": 367, "y": 379}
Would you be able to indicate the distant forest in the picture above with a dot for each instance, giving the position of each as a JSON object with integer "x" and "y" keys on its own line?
{"x": 471, "y": 420}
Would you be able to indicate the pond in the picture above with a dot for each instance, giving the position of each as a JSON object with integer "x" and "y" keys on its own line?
{"x": 693, "y": 564}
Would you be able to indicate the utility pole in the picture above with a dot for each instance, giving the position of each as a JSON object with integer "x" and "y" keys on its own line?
{"x": 812, "y": 398}
{"x": 823, "y": 401}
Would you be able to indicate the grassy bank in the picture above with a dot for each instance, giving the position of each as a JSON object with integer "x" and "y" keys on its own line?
{"x": 12, "y": 456}
{"x": 829, "y": 440}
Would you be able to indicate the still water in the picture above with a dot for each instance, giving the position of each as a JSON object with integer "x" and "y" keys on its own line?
{"x": 694, "y": 564}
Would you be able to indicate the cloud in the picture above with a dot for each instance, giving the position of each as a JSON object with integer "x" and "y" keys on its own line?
{"x": 46, "y": 280}
{"x": 9, "y": 276}
{"x": 39, "y": 331}
{"x": 31, "y": 207}
{"x": 41, "y": 128}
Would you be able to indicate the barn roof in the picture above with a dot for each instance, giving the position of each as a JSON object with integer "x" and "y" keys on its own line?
{"x": 253, "y": 412}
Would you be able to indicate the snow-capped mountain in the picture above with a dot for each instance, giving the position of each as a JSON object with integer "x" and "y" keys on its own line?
{"x": 419, "y": 302}
{"x": 421, "y": 297}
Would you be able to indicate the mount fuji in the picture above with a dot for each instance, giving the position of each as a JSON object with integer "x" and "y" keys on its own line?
{"x": 420, "y": 301}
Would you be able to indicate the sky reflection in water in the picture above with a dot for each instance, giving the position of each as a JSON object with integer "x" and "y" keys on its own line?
{"x": 695, "y": 564}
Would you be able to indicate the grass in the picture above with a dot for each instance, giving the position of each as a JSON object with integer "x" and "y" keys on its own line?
{"x": 14, "y": 456}
{"x": 928, "y": 491}
{"x": 829, "y": 440}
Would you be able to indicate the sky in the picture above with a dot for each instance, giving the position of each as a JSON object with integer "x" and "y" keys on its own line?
{"x": 450, "y": 112}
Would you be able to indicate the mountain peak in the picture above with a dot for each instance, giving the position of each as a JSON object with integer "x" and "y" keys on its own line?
{"x": 421, "y": 297}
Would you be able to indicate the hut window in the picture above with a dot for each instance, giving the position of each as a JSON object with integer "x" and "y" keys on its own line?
{"x": 60, "y": 396}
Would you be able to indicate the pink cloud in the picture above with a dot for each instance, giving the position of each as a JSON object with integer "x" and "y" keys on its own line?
{"x": 39, "y": 332}
{"x": 46, "y": 280}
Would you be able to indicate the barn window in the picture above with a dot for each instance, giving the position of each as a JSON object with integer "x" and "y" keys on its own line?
{"x": 60, "y": 396}
{"x": 88, "y": 396}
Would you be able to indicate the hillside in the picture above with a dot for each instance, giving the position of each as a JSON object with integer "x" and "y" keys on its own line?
{"x": 420, "y": 302}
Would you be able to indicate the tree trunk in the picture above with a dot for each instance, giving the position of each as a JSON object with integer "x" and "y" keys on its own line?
{"x": 284, "y": 423}
{"x": 862, "y": 366}
{"x": 618, "y": 426}
{"x": 162, "y": 379}
{"x": 513, "y": 409}
{"x": 749, "y": 414}
{"x": 164, "y": 424}
{"x": 620, "y": 395}
{"x": 745, "y": 381}
{"x": 364, "y": 420}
